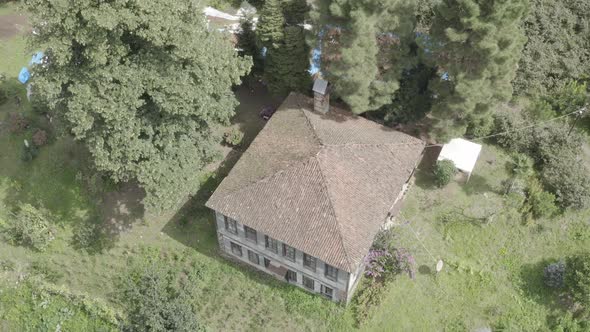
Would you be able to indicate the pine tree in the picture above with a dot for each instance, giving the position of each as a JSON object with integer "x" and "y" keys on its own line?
{"x": 271, "y": 24}
{"x": 248, "y": 46}
{"x": 142, "y": 84}
{"x": 295, "y": 11}
{"x": 477, "y": 43}
{"x": 372, "y": 50}
{"x": 287, "y": 66}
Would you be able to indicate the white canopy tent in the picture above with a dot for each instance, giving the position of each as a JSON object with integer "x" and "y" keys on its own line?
{"x": 462, "y": 153}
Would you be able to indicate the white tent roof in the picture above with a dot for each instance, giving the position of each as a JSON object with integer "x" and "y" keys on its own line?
{"x": 461, "y": 152}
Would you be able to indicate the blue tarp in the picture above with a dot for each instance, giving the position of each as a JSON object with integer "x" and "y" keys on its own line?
{"x": 24, "y": 75}
{"x": 37, "y": 58}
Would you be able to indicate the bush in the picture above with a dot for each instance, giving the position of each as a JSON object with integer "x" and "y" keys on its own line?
{"x": 444, "y": 172}
{"x": 17, "y": 123}
{"x": 40, "y": 137}
{"x": 577, "y": 277}
{"x": 47, "y": 270}
{"x": 542, "y": 202}
{"x": 30, "y": 227}
{"x": 480, "y": 127}
{"x": 568, "y": 178}
{"x": 554, "y": 274}
{"x": 158, "y": 300}
{"x": 233, "y": 137}
{"x": 28, "y": 152}
{"x": 505, "y": 123}
{"x": 568, "y": 323}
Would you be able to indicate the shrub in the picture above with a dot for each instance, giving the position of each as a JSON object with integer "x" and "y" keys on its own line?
{"x": 17, "y": 123}
{"x": 28, "y": 152}
{"x": 480, "y": 127}
{"x": 47, "y": 270}
{"x": 554, "y": 274}
{"x": 577, "y": 277}
{"x": 542, "y": 202}
{"x": 157, "y": 300}
{"x": 30, "y": 227}
{"x": 233, "y": 137}
{"x": 444, "y": 172}
{"x": 40, "y": 137}
{"x": 568, "y": 323}
{"x": 505, "y": 123}
{"x": 568, "y": 178}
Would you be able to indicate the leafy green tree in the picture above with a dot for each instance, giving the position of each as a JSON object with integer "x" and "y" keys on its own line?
{"x": 569, "y": 97}
{"x": 477, "y": 45}
{"x": 372, "y": 49}
{"x": 286, "y": 68}
{"x": 30, "y": 227}
{"x": 141, "y": 83}
{"x": 558, "y": 33}
{"x": 157, "y": 300}
{"x": 271, "y": 23}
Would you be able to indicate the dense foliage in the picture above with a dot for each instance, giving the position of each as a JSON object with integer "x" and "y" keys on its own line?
{"x": 30, "y": 227}
{"x": 366, "y": 48}
{"x": 558, "y": 40}
{"x": 158, "y": 300}
{"x": 142, "y": 97}
{"x": 477, "y": 45}
{"x": 577, "y": 277}
{"x": 444, "y": 171}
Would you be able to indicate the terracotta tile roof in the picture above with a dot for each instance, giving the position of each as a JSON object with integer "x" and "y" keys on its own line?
{"x": 322, "y": 183}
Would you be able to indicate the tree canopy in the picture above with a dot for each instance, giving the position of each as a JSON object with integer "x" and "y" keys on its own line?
{"x": 558, "y": 45}
{"x": 372, "y": 47}
{"x": 141, "y": 83}
{"x": 477, "y": 46}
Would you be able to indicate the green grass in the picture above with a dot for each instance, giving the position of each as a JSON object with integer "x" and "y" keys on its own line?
{"x": 493, "y": 271}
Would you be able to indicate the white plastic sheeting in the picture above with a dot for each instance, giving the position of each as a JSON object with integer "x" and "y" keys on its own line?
{"x": 461, "y": 152}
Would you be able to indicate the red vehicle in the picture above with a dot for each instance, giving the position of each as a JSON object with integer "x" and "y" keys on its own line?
{"x": 267, "y": 112}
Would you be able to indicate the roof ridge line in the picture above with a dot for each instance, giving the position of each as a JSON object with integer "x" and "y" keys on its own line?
{"x": 325, "y": 184}
{"x": 315, "y": 134}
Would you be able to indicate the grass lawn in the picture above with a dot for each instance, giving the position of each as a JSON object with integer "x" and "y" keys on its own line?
{"x": 493, "y": 270}
{"x": 491, "y": 275}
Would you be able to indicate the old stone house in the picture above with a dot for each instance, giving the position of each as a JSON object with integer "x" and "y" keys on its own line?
{"x": 307, "y": 198}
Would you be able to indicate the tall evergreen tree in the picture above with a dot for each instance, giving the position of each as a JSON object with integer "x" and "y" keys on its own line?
{"x": 295, "y": 11}
{"x": 271, "y": 23}
{"x": 248, "y": 45}
{"x": 287, "y": 66}
{"x": 141, "y": 83}
{"x": 477, "y": 44}
{"x": 373, "y": 48}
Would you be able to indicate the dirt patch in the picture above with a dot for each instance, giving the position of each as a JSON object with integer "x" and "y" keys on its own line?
{"x": 12, "y": 25}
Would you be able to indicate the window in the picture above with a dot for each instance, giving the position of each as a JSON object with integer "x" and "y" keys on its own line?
{"x": 253, "y": 257}
{"x": 271, "y": 244}
{"x": 327, "y": 291}
{"x": 291, "y": 276}
{"x": 289, "y": 252}
{"x": 250, "y": 234}
{"x": 266, "y": 262}
{"x": 231, "y": 225}
{"x": 331, "y": 272}
{"x": 236, "y": 249}
{"x": 309, "y": 262}
{"x": 308, "y": 283}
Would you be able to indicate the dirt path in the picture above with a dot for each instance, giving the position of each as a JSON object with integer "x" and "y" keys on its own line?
{"x": 12, "y": 25}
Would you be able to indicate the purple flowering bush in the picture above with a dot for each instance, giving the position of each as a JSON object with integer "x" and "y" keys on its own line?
{"x": 381, "y": 264}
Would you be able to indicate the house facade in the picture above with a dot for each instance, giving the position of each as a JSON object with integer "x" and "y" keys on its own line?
{"x": 284, "y": 261}
{"x": 308, "y": 196}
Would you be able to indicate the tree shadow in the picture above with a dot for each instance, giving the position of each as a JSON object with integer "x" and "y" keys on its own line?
{"x": 425, "y": 171}
{"x": 476, "y": 185}
{"x": 193, "y": 224}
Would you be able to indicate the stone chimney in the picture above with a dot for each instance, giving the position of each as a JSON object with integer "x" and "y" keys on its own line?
{"x": 321, "y": 96}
